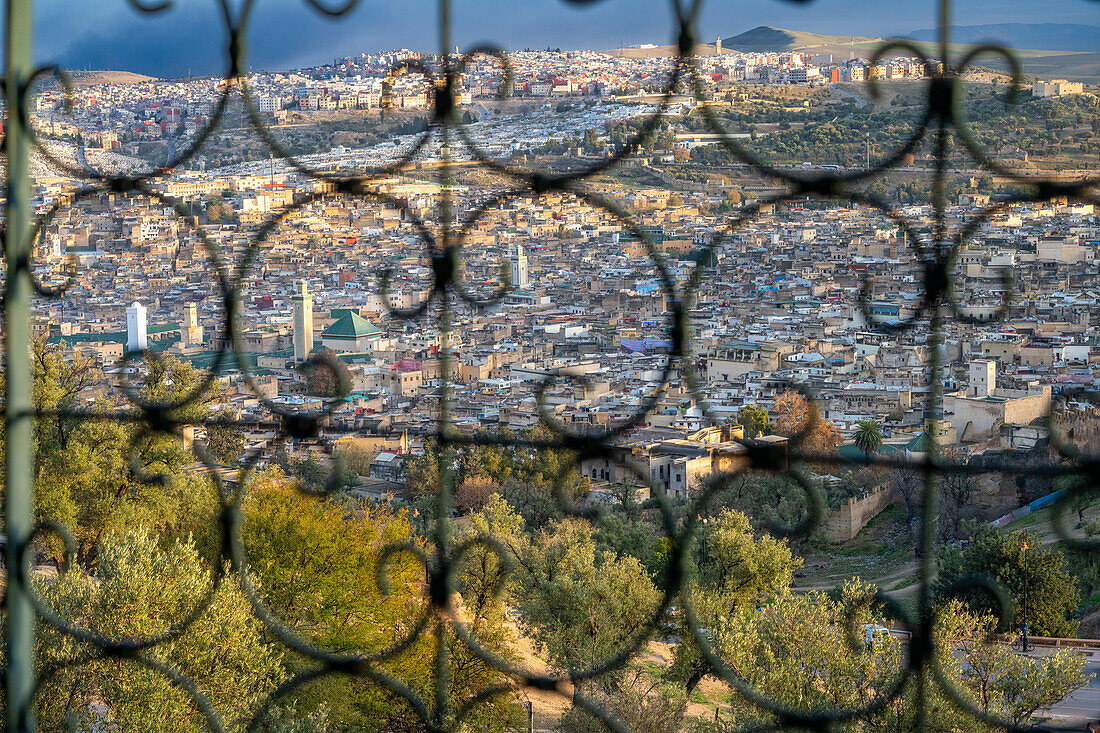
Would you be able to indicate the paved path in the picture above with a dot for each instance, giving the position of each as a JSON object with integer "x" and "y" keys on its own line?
{"x": 859, "y": 100}
{"x": 1085, "y": 703}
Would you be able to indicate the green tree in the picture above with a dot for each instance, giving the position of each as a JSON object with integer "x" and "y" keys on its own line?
{"x": 318, "y": 561}
{"x": 224, "y": 440}
{"x": 641, "y": 700}
{"x": 535, "y": 502}
{"x": 312, "y": 476}
{"x": 1012, "y": 686}
{"x": 94, "y": 476}
{"x": 1085, "y": 563}
{"x": 422, "y": 471}
{"x": 140, "y": 590}
{"x": 754, "y": 419}
{"x": 490, "y": 460}
{"x": 1033, "y": 575}
{"x": 582, "y": 606}
{"x": 766, "y": 499}
{"x": 734, "y": 569}
{"x": 868, "y": 437}
{"x": 797, "y": 652}
{"x": 579, "y": 607}
{"x": 592, "y": 141}
{"x": 483, "y": 580}
{"x": 618, "y": 534}
{"x": 1080, "y": 501}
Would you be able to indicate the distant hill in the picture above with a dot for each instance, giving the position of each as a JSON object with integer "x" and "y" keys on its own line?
{"x": 1044, "y": 36}
{"x": 766, "y": 39}
{"x": 1047, "y": 50}
{"x": 769, "y": 38}
{"x": 92, "y": 78}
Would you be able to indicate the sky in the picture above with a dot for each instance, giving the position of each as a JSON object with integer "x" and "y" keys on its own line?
{"x": 285, "y": 34}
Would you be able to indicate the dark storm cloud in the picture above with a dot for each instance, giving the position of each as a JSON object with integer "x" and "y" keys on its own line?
{"x": 108, "y": 34}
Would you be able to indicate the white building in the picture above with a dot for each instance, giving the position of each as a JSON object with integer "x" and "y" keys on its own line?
{"x": 303, "y": 323}
{"x": 520, "y": 280}
{"x": 137, "y": 328}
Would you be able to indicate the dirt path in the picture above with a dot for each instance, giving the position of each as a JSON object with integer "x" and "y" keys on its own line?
{"x": 547, "y": 706}
{"x": 899, "y": 572}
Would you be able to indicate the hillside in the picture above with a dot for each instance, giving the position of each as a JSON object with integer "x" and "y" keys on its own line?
{"x": 657, "y": 52}
{"x": 769, "y": 38}
{"x": 1045, "y": 36}
{"x": 92, "y": 78}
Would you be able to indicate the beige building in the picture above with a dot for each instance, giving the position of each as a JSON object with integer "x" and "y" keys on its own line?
{"x": 191, "y": 331}
{"x": 1057, "y": 88}
{"x": 1067, "y": 251}
{"x": 677, "y": 467}
{"x": 401, "y": 382}
{"x": 978, "y": 412}
{"x": 736, "y": 359}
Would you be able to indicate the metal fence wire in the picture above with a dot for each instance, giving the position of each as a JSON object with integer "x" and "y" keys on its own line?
{"x": 937, "y": 251}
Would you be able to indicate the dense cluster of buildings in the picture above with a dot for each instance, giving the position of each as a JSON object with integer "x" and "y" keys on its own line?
{"x": 119, "y": 116}
{"x": 564, "y": 310}
{"x": 583, "y": 326}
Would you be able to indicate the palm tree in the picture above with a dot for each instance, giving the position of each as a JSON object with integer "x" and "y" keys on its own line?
{"x": 868, "y": 437}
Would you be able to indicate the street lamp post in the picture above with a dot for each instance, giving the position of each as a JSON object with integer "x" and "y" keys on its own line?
{"x": 702, "y": 537}
{"x": 1023, "y": 626}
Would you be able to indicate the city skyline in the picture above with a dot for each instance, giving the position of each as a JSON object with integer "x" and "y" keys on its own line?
{"x": 189, "y": 37}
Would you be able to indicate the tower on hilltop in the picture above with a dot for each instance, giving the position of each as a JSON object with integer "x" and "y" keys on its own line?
{"x": 303, "y": 322}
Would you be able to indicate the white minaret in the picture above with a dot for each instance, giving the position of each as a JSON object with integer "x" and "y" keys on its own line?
{"x": 303, "y": 323}
{"x": 137, "y": 328}
{"x": 519, "y": 269}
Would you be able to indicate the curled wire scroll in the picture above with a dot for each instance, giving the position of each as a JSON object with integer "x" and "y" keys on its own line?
{"x": 936, "y": 250}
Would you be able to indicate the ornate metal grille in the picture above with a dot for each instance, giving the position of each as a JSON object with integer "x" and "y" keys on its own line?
{"x": 941, "y": 119}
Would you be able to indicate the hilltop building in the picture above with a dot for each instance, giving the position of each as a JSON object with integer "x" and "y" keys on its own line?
{"x": 1057, "y": 88}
